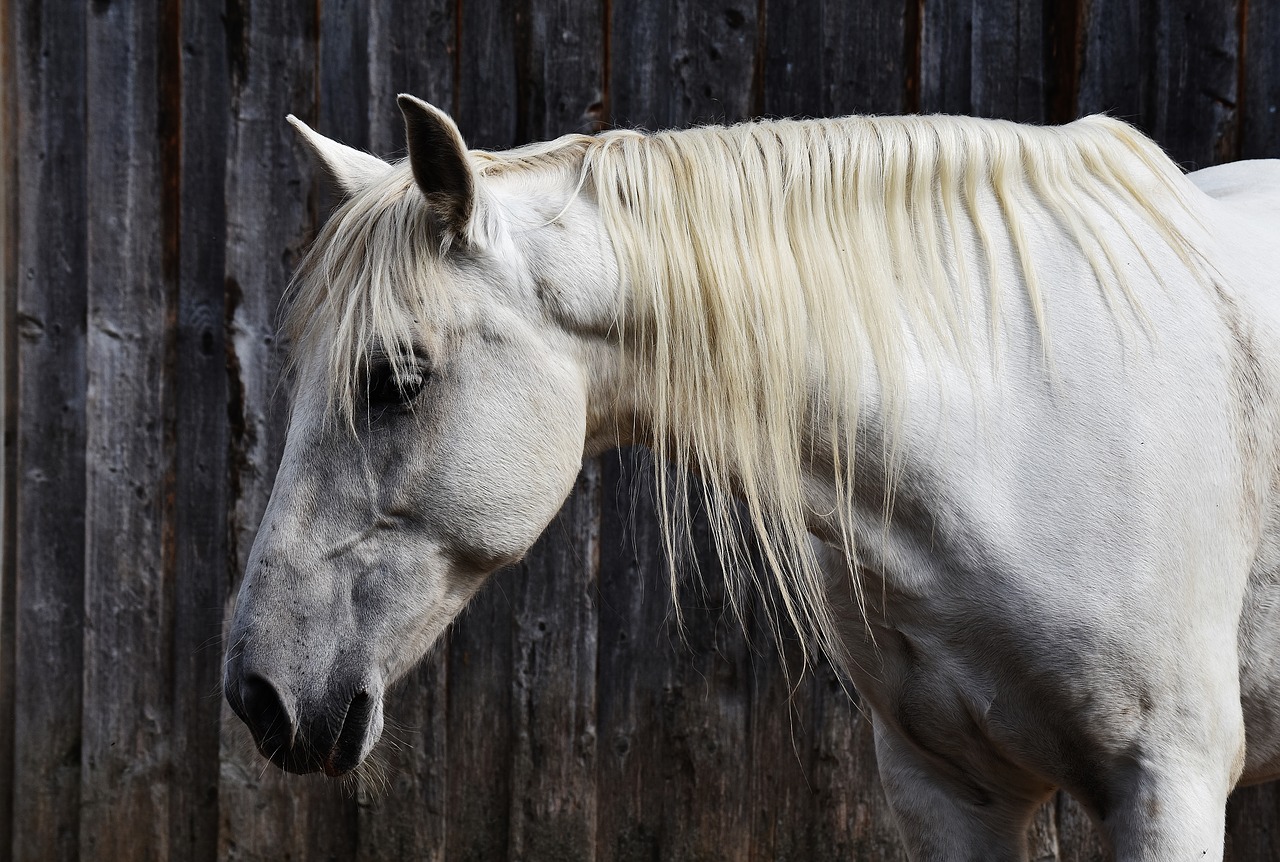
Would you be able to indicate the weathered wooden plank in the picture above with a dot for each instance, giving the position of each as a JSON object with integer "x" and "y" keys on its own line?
{"x": 553, "y": 764}
{"x": 851, "y": 815}
{"x": 1170, "y": 67}
{"x": 269, "y": 201}
{"x": 829, "y": 58}
{"x": 486, "y": 78}
{"x": 403, "y": 812}
{"x": 50, "y": 513}
{"x": 202, "y": 568}
{"x": 8, "y": 411}
{"x": 782, "y": 799}
{"x": 707, "y": 742}
{"x": 481, "y": 669}
{"x": 128, "y": 612}
{"x": 986, "y": 58}
{"x": 343, "y": 109}
{"x": 479, "y": 724}
{"x": 560, "y": 57}
{"x": 635, "y": 658}
{"x": 1260, "y": 121}
{"x": 681, "y": 64}
{"x": 1253, "y": 823}
{"x": 411, "y": 49}
{"x": 560, "y": 73}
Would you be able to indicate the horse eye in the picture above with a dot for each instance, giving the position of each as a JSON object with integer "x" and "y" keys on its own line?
{"x": 386, "y": 389}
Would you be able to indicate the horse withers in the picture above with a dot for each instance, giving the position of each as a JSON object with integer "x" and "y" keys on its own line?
{"x": 997, "y": 403}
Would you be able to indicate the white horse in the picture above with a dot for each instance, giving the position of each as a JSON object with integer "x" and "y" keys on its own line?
{"x": 1020, "y": 383}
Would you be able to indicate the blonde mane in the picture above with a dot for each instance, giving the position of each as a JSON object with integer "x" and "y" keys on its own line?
{"x": 757, "y": 259}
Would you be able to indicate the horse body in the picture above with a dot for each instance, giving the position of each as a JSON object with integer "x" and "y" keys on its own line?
{"x": 1073, "y": 586}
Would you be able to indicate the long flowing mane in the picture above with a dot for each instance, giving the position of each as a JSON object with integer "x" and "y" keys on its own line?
{"x": 758, "y": 259}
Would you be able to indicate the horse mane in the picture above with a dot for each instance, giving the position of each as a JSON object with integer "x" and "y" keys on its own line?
{"x": 756, "y": 259}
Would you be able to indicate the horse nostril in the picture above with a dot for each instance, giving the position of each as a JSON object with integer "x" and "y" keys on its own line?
{"x": 350, "y": 742}
{"x": 266, "y": 714}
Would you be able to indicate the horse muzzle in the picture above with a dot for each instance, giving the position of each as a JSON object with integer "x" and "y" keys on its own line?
{"x": 331, "y": 733}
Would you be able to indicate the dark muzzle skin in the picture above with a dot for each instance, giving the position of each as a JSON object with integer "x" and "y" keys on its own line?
{"x": 329, "y": 734}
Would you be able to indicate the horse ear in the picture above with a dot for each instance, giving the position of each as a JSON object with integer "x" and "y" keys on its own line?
{"x": 439, "y": 160}
{"x": 349, "y": 169}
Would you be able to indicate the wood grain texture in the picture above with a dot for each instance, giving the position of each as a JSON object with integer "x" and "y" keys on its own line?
{"x": 50, "y": 514}
{"x": 1260, "y": 53}
{"x": 8, "y": 414}
{"x": 635, "y": 665}
{"x": 125, "y": 753}
{"x": 270, "y": 209}
{"x": 413, "y": 50}
{"x": 830, "y": 58}
{"x": 1169, "y": 67}
{"x": 202, "y": 567}
{"x": 986, "y": 58}
{"x": 1253, "y": 823}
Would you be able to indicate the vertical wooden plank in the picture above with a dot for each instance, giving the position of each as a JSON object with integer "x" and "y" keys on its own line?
{"x": 782, "y": 799}
{"x": 413, "y": 50}
{"x": 1260, "y": 122}
{"x": 681, "y": 64}
{"x": 270, "y": 206}
{"x": 343, "y": 109}
{"x": 829, "y": 58}
{"x": 410, "y": 49}
{"x": 8, "y": 410}
{"x": 851, "y": 816}
{"x": 203, "y": 570}
{"x": 635, "y": 666}
{"x": 486, "y": 81}
{"x": 1253, "y": 823}
{"x": 1171, "y": 68}
{"x": 480, "y": 657}
{"x": 128, "y": 613}
{"x": 553, "y": 770}
{"x": 50, "y": 515}
{"x": 987, "y": 58}
{"x": 560, "y": 62}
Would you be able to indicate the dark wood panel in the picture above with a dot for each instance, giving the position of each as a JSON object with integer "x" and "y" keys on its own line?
{"x": 987, "y": 58}
{"x": 487, "y": 72}
{"x": 270, "y": 205}
{"x": 403, "y": 797}
{"x": 1260, "y": 105}
{"x": 8, "y": 411}
{"x": 128, "y": 600}
{"x": 1253, "y": 823}
{"x": 1169, "y": 67}
{"x": 202, "y": 569}
{"x": 413, "y": 50}
{"x": 635, "y": 658}
{"x": 830, "y": 58}
{"x": 50, "y": 516}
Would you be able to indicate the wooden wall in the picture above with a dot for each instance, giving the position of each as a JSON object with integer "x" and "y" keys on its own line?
{"x": 154, "y": 204}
